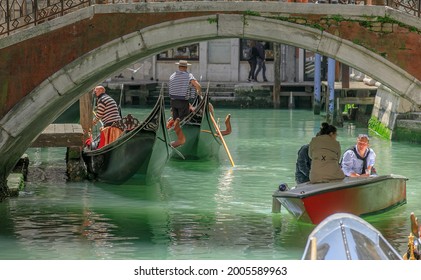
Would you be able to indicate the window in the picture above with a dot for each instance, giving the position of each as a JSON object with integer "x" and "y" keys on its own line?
{"x": 189, "y": 52}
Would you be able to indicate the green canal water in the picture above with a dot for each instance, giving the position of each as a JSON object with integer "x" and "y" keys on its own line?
{"x": 197, "y": 210}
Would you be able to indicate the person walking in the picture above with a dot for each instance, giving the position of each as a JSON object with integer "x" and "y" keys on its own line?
{"x": 261, "y": 62}
{"x": 252, "y": 60}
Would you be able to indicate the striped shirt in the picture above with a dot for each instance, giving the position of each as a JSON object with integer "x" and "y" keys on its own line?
{"x": 180, "y": 87}
{"x": 107, "y": 109}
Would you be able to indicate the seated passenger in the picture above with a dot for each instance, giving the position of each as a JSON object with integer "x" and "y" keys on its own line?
{"x": 324, "y": 152}
{"x": 303, "y": 165}
{"x": 358, "y": 161}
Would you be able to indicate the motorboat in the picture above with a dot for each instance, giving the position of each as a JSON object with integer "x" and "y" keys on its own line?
{"x": 355, "y": 195}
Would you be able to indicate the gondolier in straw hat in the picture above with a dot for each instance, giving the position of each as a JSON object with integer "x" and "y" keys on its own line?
{"x": 182, "y": 86}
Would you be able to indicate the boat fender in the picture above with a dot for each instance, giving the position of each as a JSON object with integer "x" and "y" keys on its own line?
{"x": 283, "y": 187}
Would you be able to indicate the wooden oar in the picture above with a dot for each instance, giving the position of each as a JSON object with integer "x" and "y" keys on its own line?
{"x": 222, "y": 139}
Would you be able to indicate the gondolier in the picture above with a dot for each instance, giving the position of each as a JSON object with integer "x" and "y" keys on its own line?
{"x": 107, "y": 112}
{"x": 107, "y": 109}
{"x": 182, "y": 86}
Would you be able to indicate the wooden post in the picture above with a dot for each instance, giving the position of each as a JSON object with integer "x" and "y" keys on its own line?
{"x": 345, "y": 75}
{"x": 85, "y": 108}
{"x": 317, "y": 84}
{"x": 277, "y": 75}
{"x": 331, "y": 88}
{"x": 276, "y": 205}
{"x": 291, "y": 103}
{"x": 313, "y": 248}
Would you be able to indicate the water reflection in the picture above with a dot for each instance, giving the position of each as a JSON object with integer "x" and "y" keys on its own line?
{"x": 198, "y": 210}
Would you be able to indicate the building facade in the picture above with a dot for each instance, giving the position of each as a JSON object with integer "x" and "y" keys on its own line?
{"x": 223, "y": 60}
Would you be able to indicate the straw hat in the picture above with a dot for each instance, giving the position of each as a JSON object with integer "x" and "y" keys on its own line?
{"x": 182, "y": 63}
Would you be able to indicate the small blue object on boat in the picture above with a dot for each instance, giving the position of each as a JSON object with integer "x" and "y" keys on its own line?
{"x": 283, "y": 187}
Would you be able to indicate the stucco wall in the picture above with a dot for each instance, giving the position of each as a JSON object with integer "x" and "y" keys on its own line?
{"x": 388, "y": 105}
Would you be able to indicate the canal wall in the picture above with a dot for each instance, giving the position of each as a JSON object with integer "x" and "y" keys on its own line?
{"x": 394, "y": 117}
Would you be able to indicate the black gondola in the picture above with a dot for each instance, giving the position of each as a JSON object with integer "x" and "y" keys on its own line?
{"x": 142, "y": 151}
{"x": 202, "y": 141}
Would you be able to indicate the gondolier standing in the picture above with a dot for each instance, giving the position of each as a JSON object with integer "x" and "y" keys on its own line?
{"x": 182, "y": 86}
{"x": 107, "y": 109}
{"x": 108, "y": 113}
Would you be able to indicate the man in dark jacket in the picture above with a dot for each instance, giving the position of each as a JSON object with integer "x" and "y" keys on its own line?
{"x": 303, "y": 165}
{"x": 261, "y": 58}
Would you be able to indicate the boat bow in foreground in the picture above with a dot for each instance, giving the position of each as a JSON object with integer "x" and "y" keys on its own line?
{"x": 347, "y": 237}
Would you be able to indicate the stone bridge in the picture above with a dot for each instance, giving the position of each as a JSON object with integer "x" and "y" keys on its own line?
{"x": 46, "y": 68}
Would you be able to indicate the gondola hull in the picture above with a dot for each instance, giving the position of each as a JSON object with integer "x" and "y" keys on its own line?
{"x": 359, "y": 196}
{"x": 345, "y": 236}
{"x": 202, "y": 141}
{"x": 143, "y": 152}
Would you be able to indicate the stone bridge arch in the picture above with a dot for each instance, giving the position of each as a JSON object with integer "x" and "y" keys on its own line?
{"x": 25, "y": 120}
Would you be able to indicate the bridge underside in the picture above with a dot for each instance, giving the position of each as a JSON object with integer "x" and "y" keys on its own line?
{"x": 24, "y": 119}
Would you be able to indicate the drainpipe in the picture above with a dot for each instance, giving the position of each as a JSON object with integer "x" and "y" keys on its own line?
{"x": 331, "y": 64}
{"x": 317, "y": 83}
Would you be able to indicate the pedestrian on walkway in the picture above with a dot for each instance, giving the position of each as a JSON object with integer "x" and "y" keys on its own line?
{"x": 252, "y": 60}
{"x": 261, "y": 62}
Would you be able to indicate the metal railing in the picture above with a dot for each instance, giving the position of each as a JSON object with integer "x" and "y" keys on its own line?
{"x": 411, "y": 7}
{"x": 19, "y": 14}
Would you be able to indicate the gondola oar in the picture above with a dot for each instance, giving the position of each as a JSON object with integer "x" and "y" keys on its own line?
{"x": 217, "y": 129}
{"x": 222, "y": 139}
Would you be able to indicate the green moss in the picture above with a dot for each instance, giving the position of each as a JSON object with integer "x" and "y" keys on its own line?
{"x": 375, "y": 125}
{"x": 281, "y": 18}
{"x": 251, "y": 13}
{"x": 317, "y": 26}
{"x": 337, "y": 18}
{"x": 387, "y": 19}
{"x": 413, "y": 29}
{"x": 406, "y": 135}
{"x": 366, "y": 24}
{"x": 213, "y": 20}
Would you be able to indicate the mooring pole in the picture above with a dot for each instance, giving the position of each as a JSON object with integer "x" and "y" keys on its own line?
{"x": 317, "y": 83}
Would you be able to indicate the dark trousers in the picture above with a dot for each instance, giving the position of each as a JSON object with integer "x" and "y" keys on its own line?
{"x": 180, "y": 108}
{"x": 252, "y": 63}
{"x": 261, "y": 65}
